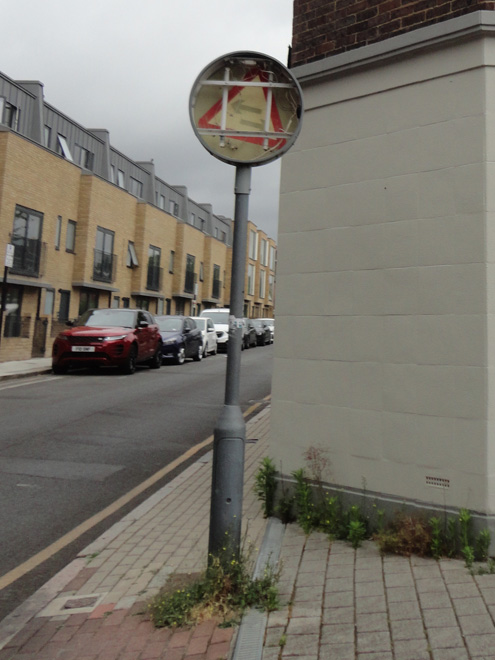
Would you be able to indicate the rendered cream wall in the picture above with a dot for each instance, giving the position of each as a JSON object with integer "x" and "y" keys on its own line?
{"x": 385, "y": 266}
{"x": 490, "y": 258}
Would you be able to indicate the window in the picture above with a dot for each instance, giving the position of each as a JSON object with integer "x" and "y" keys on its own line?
{"x": 88, "y": 300}
{"x": 120, "y": 179}
{"x": 58, "y": 232}
{"x": 103, "y": 258}
{"x": 63, "y": 148}
{"x": 171, "y": 262}
{"x": 154, "y": 270}
{"x": 174, "y": 207}
{"x": 253, "y": 252}
{"x": 250, "y": 280}
{"x": 189, "y": 283}
{"x": 13, "y": 321}
{"x": 262, "y": 283}
{"x": 132, "y": 259}
{"x": 162, "y": 202}
{"x": 192, "y": 218}
{"x": 70, "y": 239}
{"x": 126, "y": 303}
{"x": 63, "y": 310}
{"x": 47, "y": 135}
{"x": 9, "y": 114}
{"x": 26, "y": 236}
{"x": 216, "y": 282}
{"x": 116, "y": 302}
{"x": 159, "y": 306}
{"x": 273, "y": 256}
{"x": 135, "y": 187}
{"x": 49, "y": 302}
{"x": 179, "y": 307}
{"x": 113, "y": 178}
{"x": 216, "y": 232}
{"x": 201, "y": 272}
{"x": 263, "y": 252}
{"x": 83, "y": 157}
{"x": 223, "y": 237}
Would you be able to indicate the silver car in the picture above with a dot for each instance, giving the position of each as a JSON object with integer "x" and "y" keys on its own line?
{"x": 205, "y": 324}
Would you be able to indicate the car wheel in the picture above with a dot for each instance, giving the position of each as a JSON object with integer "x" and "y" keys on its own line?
{"x": 198, "y": 356}
{"x": 181, "y": 355}
{"x": 156, "y": 360}
{"x": 59, "y": 371}
{"x": 129, "y": 367}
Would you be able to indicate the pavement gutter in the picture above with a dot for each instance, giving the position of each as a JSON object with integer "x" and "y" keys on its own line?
{"x": 251, "y": 634}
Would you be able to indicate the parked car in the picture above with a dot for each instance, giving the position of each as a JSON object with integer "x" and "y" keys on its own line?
{"x": 263, "y": 334}
{"x": 108, "y": 337}
{"x": 271, "y": 325}
{"x": 205, "y": 324}
{"x": 249, "y": 337}
{"x": 220, "y": 318}
{"x": 181, "y": 338}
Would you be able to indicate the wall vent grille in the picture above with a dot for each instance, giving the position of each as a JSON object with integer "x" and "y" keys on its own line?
{"x": 437, "y": 482}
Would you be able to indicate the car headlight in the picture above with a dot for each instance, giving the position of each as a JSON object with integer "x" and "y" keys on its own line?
{"x": 168, "y": 342}
{"x": 114, "y": 338}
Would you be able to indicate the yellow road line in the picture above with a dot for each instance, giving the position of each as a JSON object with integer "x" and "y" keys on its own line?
{"x": 62, "y": 542}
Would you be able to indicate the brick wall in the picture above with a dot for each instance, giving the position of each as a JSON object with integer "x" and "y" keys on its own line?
{"x": 326, "y": 27}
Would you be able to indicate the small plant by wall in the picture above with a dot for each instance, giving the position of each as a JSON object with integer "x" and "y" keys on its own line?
{"x": 406, "y": 533}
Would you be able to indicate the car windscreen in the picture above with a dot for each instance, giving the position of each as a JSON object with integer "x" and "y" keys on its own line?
{"x": 219, "y": 317}
{"x": 258, "y": 324}
{"x": 108, "y": 318}
{"x": 169, "y": 325}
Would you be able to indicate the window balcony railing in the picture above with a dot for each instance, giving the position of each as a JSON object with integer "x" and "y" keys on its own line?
{"x": 189, "y": 283}
{"x": 104, "y": 266}
{"x": 154, "y": 278}
{"x": 29, "y": 258}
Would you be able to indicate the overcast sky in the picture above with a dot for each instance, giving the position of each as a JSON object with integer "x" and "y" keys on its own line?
{"x": 129, "y": 66}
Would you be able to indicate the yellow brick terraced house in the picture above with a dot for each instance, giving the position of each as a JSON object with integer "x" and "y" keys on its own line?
{"x": 93, "y": 228}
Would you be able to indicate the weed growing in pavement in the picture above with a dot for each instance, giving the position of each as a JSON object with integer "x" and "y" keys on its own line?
{"x": 223, "y": 591}
{"x": 265, "y": 485}
{"x": 436, "y": 537}
{"x": 303, "y": 501}
{"x": 357, "y": 533}
{"x": 467, "y": 550}
{"x": 452, "y": 538}
{"x": 482, "y": 545}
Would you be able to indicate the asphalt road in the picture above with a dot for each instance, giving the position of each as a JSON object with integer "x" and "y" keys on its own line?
{"x": 72, "y": 445}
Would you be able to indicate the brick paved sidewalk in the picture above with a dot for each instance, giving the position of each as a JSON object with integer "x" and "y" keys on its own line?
{"x": 346, "y": 604}
{"x": 100, "y": 614}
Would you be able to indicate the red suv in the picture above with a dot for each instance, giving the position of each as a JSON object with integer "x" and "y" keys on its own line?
{"x": 109, "y": 337}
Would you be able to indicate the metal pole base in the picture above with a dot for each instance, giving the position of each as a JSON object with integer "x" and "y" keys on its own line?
{"x": 227, "y": 484}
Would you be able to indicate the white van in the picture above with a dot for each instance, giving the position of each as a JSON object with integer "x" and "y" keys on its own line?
{"x": 220, "y": 318}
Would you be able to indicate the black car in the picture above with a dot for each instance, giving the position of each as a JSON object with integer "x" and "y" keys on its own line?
{"x": 263, "y": 332}
{"x": 181, "y": 338}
